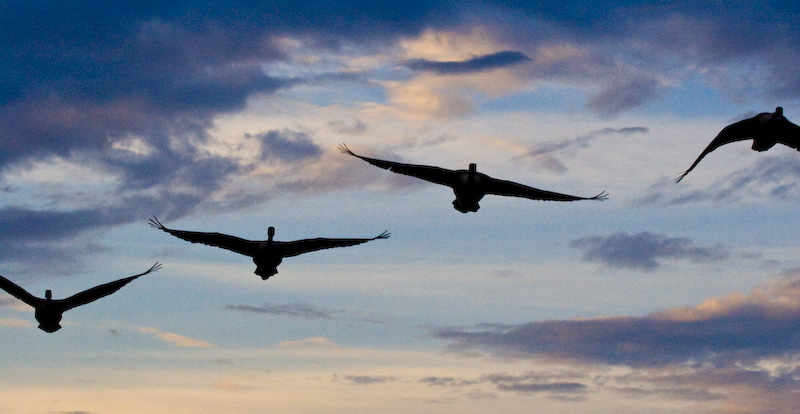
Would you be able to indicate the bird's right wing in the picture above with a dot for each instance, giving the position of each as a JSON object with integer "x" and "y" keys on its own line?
{"x": 294, "y": 248}
{"x": 97, "y": 292}
{"x": 14, "y": 290}
{"x": 789, "y": 134}
{"x": 738, "y": 131}
{"x": 232, "y": 243}
{"x": 425, "y": 172}
{"x": 512, "y": 189}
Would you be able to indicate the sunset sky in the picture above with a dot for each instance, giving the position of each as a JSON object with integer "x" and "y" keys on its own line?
{"x": 226, "y": 116}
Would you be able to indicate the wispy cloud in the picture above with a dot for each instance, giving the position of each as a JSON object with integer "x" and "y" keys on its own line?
{"x": 370, "y": 379}
{"x": 178, "y": 341}
{"x": 767, "y": 178}
{"x": 475, "y": 64}
{"x": 546, "y": 155}
{"x": 296, "y": 310}
{"x": 642, "y": 251}
{"x": 309, "y": 343}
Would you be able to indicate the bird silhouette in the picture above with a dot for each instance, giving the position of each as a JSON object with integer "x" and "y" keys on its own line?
{"x": 266, "y": 254}
{"x": 49, "y": 311}
{"x": 469, "y": 185}
{"x": 765, "y": 129}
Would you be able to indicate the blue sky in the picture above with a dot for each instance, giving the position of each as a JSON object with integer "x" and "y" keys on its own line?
{"x": 226, "y": 117}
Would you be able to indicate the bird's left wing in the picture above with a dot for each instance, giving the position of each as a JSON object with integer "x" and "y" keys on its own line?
{"x": 14, "y": 290}
{"x": 225, "y": 241}
{"x": 97, "y": 292}
{"x": 294, "y": 248}
{"x": 512, "y": 189}
{"x": 433, "y": 174}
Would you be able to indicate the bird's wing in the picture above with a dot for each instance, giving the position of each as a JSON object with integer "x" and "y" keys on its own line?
{"x": 738, "y": 131}
{"x": 294, "y": 248}
{"x": 428, "y": 173}
{"x": 14, "y": 290}
{"x": 512, "y": 189}
{"x": 97, "y": 292}
{"x": 789, "y": 134}
{"x": 232, "y": 243}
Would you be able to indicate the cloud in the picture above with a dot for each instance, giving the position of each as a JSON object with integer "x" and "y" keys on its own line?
{"x": 178, "y": 341}
{"x": 641, "y": 251}
{"x": 15, "y": 322}
{"x": 287, "y": 146}
{"x": 545, "y": 154}
{"x": 475, "y": 64}
{"x": 296, "y": 310}
{"x": 309, "y": 343}
{"x": 370, "y": 379}
{"x": 767, "y": 178}
{"x": 731, "y": 329}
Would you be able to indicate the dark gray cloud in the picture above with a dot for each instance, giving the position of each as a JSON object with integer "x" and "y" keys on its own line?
{"x": 370, "y": 379}
{"x": 546, "y": 154}
{"x": 620, "y": 96}
{"x": 641, "y": 251}
{"x": 295, "y": 310}
{"x": 357, "y": 127}
{"x": 534, "y": 383}
{"x": 728, "y": 330}
{"x": 475, "y": 64}
{"x": 286, "y": 145}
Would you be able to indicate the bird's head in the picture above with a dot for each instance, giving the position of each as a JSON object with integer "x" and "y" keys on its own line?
{"x": 472, "y": 169}
{"x": 48, "y": 294}
{"x": 271, "y": 232}
{"x": 779, "y": 111}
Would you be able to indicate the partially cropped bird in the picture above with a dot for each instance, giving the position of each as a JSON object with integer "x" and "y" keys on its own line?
{"x": 469, "y": 185}
{"x": 765, "y": 129}
{"x": 266, "y": 254}
{"x": 49, "y": 311}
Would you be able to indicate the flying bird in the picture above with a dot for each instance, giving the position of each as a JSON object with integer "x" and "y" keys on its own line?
{"x": 266, "y": 254}
{"x": 765, "y": 129}
{"x": 470, "y": 186}
{"x": 49, "y": 311}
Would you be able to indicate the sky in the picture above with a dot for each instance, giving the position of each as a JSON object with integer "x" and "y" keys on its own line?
{"x": 226, "y": 117}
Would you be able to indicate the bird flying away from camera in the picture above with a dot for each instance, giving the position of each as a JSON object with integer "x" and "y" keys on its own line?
{"x": 469, "y": 185}
{"x": 765, "y": 129}
{"x": 266, "y": 254}
{"x": 49, "y": 311}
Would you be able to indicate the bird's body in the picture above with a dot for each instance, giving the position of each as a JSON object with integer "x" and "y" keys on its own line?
{"x": 470, "y": 186}
{"x": 49, "y": 311}
{"x": 266, "y": 254}
{"x": 765, "y": 129}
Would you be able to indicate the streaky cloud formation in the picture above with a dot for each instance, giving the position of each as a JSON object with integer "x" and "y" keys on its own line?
{"x": 296, "y": 310}
{"x": 476, "y": 64}
{"x": 769, "y": 178}
{"x": 176, "y": 340}
{"x": 641, "y": 251}
{"x": 544, "y": 154}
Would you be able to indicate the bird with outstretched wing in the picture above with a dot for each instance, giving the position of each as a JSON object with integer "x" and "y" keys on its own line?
{"x": 266, "y": 254}
{"x": 765, "y": 129}
{"x": 469, "y": 185}
{"x": 49, "y": 311}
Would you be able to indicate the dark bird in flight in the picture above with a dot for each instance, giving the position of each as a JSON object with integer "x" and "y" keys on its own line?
{"x": 765, "y": 129}
{"x": 470, "y": 186}
{"x": 49, "y": 311}
{"x": 266, "y": 254}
